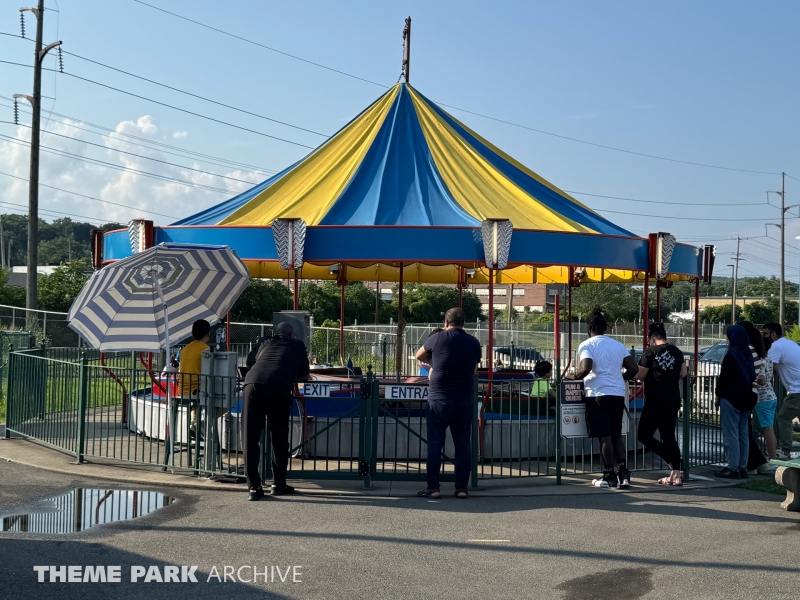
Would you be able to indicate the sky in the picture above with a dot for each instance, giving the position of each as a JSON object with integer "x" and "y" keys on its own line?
{"x": 713, "y": 83}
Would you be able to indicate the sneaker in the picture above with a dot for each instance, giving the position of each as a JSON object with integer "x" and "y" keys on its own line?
{"x": 600, "y": 483}
{"x": 781, "y": 455}
{"x": 282, "y": 491}
{"x": 727, "y": 473}
{"x": 743, "y": 473}
{"x": 752, "y": 471}
{"x": 256, "y": 493}
{"x": 766, "y": 469}
{"x": 624, "y": 477}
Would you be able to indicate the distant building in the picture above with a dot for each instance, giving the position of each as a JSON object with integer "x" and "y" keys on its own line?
{"x": 709, "y": 301}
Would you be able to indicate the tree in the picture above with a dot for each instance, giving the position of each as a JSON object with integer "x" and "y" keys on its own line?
{"x": 619, "y": 300}
{"x": 58, "y": 290}
{"x": 320, "y": 301}
{"x": 10, "y": 296}
{"x": 429, "y": 303}
{"x": 260, "y": 300}
{"x": 719, "y": 314}
{"x": 759, "y": 313}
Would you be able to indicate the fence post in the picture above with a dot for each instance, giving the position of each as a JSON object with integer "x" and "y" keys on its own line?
{"x": 475, "y": 435}
{"x": 383, "y": 354}
{"x": 365, "y": 424}
{"x": 687, "y": 425}
{"x": 9, "y": 390}
{"x": 83, "y": 393}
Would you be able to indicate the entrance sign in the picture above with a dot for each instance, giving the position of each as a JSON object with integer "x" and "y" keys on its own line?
{"x": 406, "y": 392}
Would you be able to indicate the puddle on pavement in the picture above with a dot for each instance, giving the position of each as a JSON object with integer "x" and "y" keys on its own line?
{"x": 621, "y": 584}
{"x": 83, "y": 508}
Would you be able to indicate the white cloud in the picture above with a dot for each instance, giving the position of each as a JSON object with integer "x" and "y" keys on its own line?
{"x": 180, "y": 135}
{"x": 126, "y": 184}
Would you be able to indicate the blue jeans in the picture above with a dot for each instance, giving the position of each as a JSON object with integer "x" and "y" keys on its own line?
{"x": 458, "y": 417}
{"x": 734, "y": 435}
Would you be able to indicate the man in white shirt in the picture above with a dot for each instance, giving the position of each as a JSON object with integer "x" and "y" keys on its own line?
{"x": 785, "y": 356}
{"x": 602, "y": 360}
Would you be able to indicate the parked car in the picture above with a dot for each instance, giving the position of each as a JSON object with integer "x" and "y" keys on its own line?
{"x": 711, "y": 360}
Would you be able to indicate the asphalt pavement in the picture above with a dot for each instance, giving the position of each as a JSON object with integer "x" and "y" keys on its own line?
{"x": 701, "y": 543}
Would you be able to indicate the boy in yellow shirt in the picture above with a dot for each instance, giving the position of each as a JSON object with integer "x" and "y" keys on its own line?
{"x": 190, "y": 365}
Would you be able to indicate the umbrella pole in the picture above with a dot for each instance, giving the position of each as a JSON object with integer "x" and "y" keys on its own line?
{"x": 170, "y": 423}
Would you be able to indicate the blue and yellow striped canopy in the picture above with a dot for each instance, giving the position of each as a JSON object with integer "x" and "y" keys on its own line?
{"x": 404, "y": 187}
{"x": 406, "y": 162}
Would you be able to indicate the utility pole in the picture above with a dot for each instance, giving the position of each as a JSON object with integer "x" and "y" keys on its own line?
{"x": 2, "y": 246}
{"x": 33, "y": 179}
{"x": 783, "y": 250}
{"x": 735, "y": 278}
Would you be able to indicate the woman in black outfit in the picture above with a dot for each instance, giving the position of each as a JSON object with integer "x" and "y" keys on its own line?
{"x": 661, "y": 368}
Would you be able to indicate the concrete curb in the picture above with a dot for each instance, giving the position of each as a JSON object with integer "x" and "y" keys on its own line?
{"x": 122, "y": 475}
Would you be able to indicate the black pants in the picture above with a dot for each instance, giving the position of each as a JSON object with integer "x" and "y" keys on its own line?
{"x": 663, "y": 416}
{"x": 261, "y": 403}
{"x": 754, "y": 457}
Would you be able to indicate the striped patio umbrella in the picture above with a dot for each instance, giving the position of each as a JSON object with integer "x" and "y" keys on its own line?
{"x": 144, "y": 301}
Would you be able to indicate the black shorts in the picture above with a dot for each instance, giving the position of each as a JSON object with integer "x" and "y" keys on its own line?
{"x": 604, "y": 416}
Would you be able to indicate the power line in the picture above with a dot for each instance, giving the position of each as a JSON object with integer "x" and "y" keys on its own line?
{"x": 483, "y": 116}
{"x": 47, "y": 210}
{"x": 148, "y": 143}
{"x": 183, "y": 110}
{"x": 109, "y": 165}
{"x": 541, "y": 131}
{"x": 169, "y": 87}
{"x": 92, "y": 197}
{"x": 316, "y": 64}
{"x": 620, "y": 212}
{"x": 665, "y": 202}
{"x": 137, "y": 155}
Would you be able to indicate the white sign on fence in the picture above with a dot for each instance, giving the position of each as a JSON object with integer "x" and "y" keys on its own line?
{"x": 573, "y": 411}
{"x": 406, "y": 392}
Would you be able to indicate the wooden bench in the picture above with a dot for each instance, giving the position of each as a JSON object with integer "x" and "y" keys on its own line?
{"x": 788, "y": 475}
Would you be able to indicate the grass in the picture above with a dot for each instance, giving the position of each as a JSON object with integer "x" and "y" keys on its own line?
{"x": 763, "y": 484}
{"x": 2, "y": 409}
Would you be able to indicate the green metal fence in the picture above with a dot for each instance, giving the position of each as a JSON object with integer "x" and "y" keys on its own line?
{"x": 113, "y": 406}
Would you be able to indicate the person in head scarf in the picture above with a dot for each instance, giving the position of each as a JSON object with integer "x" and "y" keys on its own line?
{"x": 736, "y": 399}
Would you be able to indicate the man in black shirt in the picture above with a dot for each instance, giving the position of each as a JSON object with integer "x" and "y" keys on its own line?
{"x": 268, "y": 386}
{"x": 661, "y": 368}
{"x": 454, "y": 356}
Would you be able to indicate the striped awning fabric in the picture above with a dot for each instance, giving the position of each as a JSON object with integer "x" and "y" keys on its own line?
{"x": 119, "y": 308}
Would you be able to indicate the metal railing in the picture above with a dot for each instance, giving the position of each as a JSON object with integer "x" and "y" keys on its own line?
{"x": 116, "y": 407}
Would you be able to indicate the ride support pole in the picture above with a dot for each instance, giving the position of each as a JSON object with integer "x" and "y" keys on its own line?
{"x": 645, "y": 310}
{"x": 557, "y": 350}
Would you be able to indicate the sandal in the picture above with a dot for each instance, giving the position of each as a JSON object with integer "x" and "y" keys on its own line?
{"x": 678, "y": 479}
{"x": 666, "y": 480}
{"x": 428, "y": 493}
{"x": 461, "y": 494}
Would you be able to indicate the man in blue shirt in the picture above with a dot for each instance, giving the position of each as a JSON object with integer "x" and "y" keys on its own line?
{"x": 454, "y": 356}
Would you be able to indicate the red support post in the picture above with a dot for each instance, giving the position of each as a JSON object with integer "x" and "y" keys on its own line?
{"x": 557, "y": 333}
{"x": 645, "y": 310}
{"x": 569, "y": 329}
{"x": 696, "y": 322}
{"x": 341, "y": 325}
{"x": 490, "y": 344}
